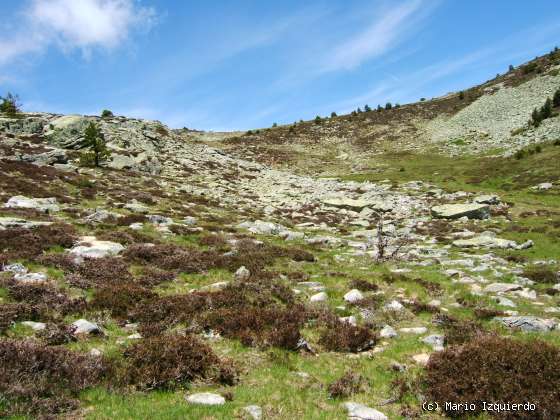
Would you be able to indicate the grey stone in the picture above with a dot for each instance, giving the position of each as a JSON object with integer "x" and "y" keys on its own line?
{"x": 242, "y": 274}
{"x": 387, "y": 332}
{"x": 15, "y": 268}
{"x": 35, "y": 326}
{"x": 502, "y": 287}
{"x": 528, "y": 323}
{"x": 205, "y": 398}
{"x": 90, "y": 247}
{"x": 42, "y": 204}
{"x": 353, "y": 295}
{"x": 357, "y": 411}
{"x": 254, "y": 411}
{"x": 31, "y": 277}
{"x": 319, "y": 297}
{"x": 83, "y": 326}
{"x": 456, "y": 211}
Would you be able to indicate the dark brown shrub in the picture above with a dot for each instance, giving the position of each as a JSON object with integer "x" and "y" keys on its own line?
{"x": 349, "y": 384}
{"x": 103, "y": 271}
{"x": 487, "y": 313}
{"x": 29, "y": 243}
{"x": 130, "y": 219}
{"x": 167, "y": 362}
{"x": 459, "y": 331}
{"x": 40, "y": 381}
{"x": 363, "y": 285}
{"x": 61, "y": 261}
{"x": 344, "y": 337}
{"x": 152, "y": 277}
{"x": 541, "y": 274}
{"x": 500, "y": 370}
{"x": 120, "y": 299}
{"x": 56, "y": 334}
{"x": 13, "y": 312}
{"x": 45, "y": 298}
{"x": 417, "y": 307}
{"x": 216, "y": 241}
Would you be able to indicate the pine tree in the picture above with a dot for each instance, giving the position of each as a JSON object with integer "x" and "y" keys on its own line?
{"x": 367, "y": 108}
{"x": 546, "y": 110}
{"x": 333, "y": 114}
{"x": 9, "y": 105}
{"x": 95, "y": 141}
{"x": 388, "y": 105}
{"x": 536, "y": 117}
{"x": 556, "y": 98}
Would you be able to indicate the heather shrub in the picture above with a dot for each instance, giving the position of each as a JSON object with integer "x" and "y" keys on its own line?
{"x": 363, "y": 285}
{"x": 56, "y": 334}
{"x": 13, "y": 312}
{"x": 344, "y": 337}
{"x": 101, "y": 272}
{"x": 500, "y": 370}
{"x": 119, "y": 299}
{"x": 167, "y": 362}
{"x": 29, "y": 243}
{"x": 41, "y": 381}
{"x": 347, "y": 385}
{"x": 541, "y": 274}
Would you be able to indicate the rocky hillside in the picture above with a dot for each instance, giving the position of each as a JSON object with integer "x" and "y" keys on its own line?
{"x": 213, "y": 275}
{"x": 490, "y": 118}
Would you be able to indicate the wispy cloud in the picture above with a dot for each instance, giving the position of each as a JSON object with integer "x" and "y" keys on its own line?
{"x": 387, "y": 29}
{"x": 74, "y": 24}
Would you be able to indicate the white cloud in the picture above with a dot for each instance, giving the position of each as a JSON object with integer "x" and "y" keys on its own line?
{"x": 380, "y": 36}
{"x": 75, "y": 24}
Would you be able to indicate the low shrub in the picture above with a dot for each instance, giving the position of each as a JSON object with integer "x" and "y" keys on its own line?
{"x": 541, "y": 274}
{"x": 120, "y": 299}
{"x": 168, "y": 362}
{"x": 363, "y": 285}
{"x": 13, "y": 312}
{"x": 459, "y": 331}
{"x": 41, "y": 381}
{"x": 349, "y": 384}
{"x": 344, "y": 337}
{"x": 19, "y": 243}
{"x": 496, "y": 370}
{"x": 56, "y": 334}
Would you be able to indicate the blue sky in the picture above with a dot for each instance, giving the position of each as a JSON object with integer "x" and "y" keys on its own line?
{"x": 226, "y": 65}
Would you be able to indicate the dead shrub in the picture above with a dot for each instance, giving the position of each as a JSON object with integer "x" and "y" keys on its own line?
{"x": 497, "y": 369}
{"x": 41, "y": 381}
{"x": 349, "y": 384}
{"x": 167, "y": 362}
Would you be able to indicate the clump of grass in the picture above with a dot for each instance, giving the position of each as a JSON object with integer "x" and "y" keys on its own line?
{"x": 541, "y": 274}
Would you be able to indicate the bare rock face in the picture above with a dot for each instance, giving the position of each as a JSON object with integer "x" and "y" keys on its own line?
{"x": 456, "y": 211}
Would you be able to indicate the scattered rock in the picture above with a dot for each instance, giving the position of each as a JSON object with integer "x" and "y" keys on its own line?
{"x": 387, "y": 332}
{"x": 83, "y": 326}
{"x": 492, "y": 199}
{"x": 456, "y": 211}
{"x": 357, "y": 411}
{"x": 414, "y": 330}
{"x": 254, "y": 411}
{"x": 47, "y": 205}
{"x": 205, "y": 398}
{"x": 15, "y": 268}
{"x": 31, "y": 277}
{"x": 319, "y": 297}
{"x": 435, "y": 340}
{"x": 35, "y": 326}
{"x": 90, "y": 247}
{"x": 502, "y": 287}
{"x": 242, "y": 274}
{"x": 353, "y": 295}
{"x": 528, "y": 323}
{"x": 422, "y": 359}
